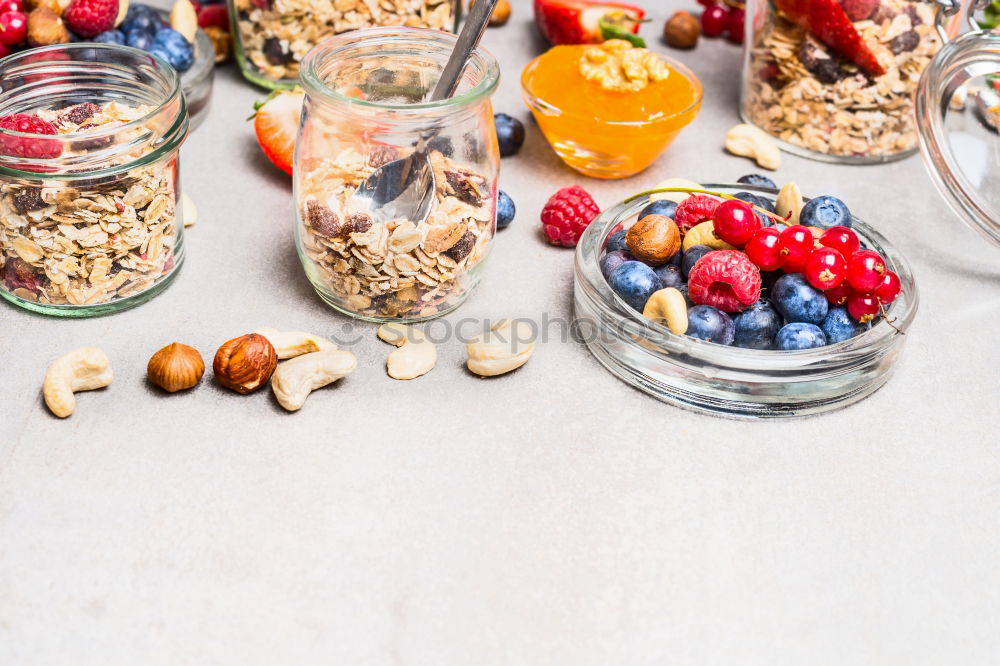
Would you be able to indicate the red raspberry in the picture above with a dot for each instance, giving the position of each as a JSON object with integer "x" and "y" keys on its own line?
{"x": 566, "y": 214}
{"x": 725, "y": 279}
{"x": 89, "y": 18}
{"x": 693, "y": 211}
{"x": 29, "y": 148}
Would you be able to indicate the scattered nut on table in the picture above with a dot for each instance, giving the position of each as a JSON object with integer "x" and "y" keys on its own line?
{"x": 747, "y": 140}
{"x": 668, "y": 306}
{"x": 676, "y": 197}
{"x": 190, "y": 210}
{"x": 176, "y": 367}
{"x": 506, "y": 346}
{"x": 294, "y": 380}
{"x": 289, "y": 344}
{"x": 704, "y": 234}
{"x": 416, "y": 355}
{"x": 82, "y": 369}
{"x": 681, "y": 31}
{"x": 245, "y": 363}
{"x": 789, "y": 203}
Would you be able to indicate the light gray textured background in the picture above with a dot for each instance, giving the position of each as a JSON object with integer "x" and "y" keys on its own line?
{"x": 552, "y": 516}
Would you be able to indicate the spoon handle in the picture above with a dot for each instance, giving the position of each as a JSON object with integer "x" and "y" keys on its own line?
{"x": 468, "y": 40}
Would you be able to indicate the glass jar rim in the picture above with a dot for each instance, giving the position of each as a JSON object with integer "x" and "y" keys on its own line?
{"x": 588, "y": 273}
{"x": 686, "y": 72}
{"x": 375, "y": 37}
{"x": 173, "y": 135}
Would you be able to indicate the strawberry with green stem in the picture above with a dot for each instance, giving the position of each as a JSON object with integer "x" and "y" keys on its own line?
{"x": 583, "y": 22}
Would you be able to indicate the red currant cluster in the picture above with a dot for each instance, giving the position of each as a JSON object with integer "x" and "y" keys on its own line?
{"x": 831, "y": 261}
{"x": 722, "y": 20}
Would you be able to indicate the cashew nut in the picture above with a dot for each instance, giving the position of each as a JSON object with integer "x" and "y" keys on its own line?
{"x": 506, "y": 346}
{"x": 294, "y": 380}
{"x": 190, "y": 211}
{"x": 789, "y": 201}
{"x": 416, "y": 354}
{"x": 289, "y": 344}
{"x": 668, "y": 306}
{"x": 704, "y": 234}
{"x": 750, "y": 141}
{"x": 184, "y": 19}
{"x": 82, "y": 369}
{"x": 676, "y": 197}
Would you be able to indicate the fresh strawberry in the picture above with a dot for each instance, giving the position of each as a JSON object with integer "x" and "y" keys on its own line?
{"x": 582, "y": 22}
{"x": 214, "y": 15}
{"x": 89, "y": 18}
{"x": 827, "y": 20}
{"x": 276, "y": 123}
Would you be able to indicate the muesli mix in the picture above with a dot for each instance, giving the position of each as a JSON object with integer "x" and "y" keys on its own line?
{"x": 395, "y": 268}
{"x": 802, "y": 93}
{"x": 276, "y": 34}
{"x": 89, "y": 241}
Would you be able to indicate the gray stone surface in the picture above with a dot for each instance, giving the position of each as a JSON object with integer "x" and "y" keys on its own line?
{"x": 552, "y": 516}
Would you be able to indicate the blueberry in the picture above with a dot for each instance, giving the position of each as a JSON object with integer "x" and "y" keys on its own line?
{"x": 757, "y": 180}
{"x": 659, "y": 208}
{"x": 757, "y": 325}
{"x": 691, "y": 257}
{"x": 839, "y": 326}
{"x": 612, "y": 260}
{"x": 711, "y": 324}
{"x": 760, "y": 202}
{"x": 505, "y": 210}
{"x": 825, "y": 212}
{"x": 670, "y": 275}
{"x": 687, "y": 299}
{"x": 634, "y": 281}
{"x": 141, "y": 17}
{"x": 139, "y": 39}
{"x": 798, "y": 301}
{"x": 172, "y": 47}
{"x": 616, "y": 241}
{"x": 510, "y": 133}
{"x": 799, "y": 335}
{"x": 768, "y": 278}
{"x": 111, "y": 37}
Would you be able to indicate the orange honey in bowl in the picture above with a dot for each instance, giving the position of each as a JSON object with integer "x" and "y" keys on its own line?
{"x": 609, "y": 110}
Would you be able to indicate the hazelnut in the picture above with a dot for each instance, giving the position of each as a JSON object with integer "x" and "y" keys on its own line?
{"x": 176, "y": 367}
{"x": 654, "y": 239}
{"x": 221, "y": 41}
{"x": 45, "y": 28}
{"x": 681, "y": 31}
{"x": 501, "y": 13}
{"x": 244, "y": 364}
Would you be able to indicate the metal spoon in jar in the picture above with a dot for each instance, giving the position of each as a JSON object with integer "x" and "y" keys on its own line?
{"x": 405, "y": 188}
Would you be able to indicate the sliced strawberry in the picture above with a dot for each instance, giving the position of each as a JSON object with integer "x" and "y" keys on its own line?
{"x": 827, "y": 20}
{"x": 276, "y": 123}
{"x": 582, "y": 22}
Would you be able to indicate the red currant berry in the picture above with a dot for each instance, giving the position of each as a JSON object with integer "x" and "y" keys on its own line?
{"x": 862, "y": 307}
{"x": 13, "y": 28}
{"x": 735, "y": 222}
{"x": 841, "y": 238}
{"x": 764, "y": 249}
{"x": 826, "y": 268}
{"x": 865, "y": 270}
{"x": 706, "y": 3}
{"x": 713, "y": 21}
{"x": 838, "y": 295}
{"x": 797, "y": 244}
{"x": 11, "y": 6}
{"x": 887, "y": 291}
{"x": 734, "y": 26}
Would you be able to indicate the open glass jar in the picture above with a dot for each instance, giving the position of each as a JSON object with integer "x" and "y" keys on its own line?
{"x": 89, "y": 211}
{"x": 271, "y": 37}
{"x": 364, "y": 108}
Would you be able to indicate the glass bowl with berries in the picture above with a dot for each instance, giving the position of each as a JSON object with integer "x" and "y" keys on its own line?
{"x": 743, "y": 300}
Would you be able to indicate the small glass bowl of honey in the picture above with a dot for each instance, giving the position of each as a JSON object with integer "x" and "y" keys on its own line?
{"x": 601, "y": 132}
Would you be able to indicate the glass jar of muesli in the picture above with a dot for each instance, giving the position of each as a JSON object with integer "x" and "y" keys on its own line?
{"x": 365, "y": 108}
{"x": 272, "y": 36}
{"x": 90, "y": 221}
{"x": 837, "y": 84}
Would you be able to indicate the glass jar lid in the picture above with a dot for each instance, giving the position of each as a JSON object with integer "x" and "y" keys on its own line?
{"x": 958, "y": 120}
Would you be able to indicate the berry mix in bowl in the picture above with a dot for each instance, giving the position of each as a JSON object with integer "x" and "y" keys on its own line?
{"x": 743, "y": 299}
